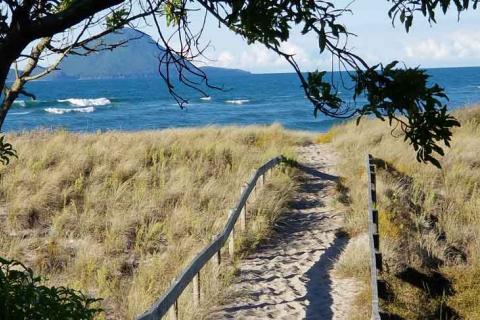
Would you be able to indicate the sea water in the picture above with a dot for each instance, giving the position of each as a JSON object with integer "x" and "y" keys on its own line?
{"x": 141, "y": 104}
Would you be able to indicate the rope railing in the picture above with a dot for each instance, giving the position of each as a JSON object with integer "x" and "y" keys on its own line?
{"x": 191, "y": 274}
{"x": 374, "y": 240}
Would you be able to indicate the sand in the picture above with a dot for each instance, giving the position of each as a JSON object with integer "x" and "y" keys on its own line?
{"x": 290, "y": 276}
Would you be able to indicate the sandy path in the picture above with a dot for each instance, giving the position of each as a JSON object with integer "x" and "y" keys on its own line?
{"x": 290, "y": 277}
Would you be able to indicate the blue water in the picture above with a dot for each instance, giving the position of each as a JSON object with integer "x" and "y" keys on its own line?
{"x": 145, "y": 103}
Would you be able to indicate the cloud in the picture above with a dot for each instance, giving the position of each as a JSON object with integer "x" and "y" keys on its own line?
{"x": 467, "y": 45}
{"x": 257, "y": 58}
{"x": 224, "y": 59}
{"x": 457, "y": 48}
{"x": 464, "y": 45}
{"x": 428, "y": 49}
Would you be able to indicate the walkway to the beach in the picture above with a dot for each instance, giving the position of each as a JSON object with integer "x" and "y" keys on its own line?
{"x": 290, "y": 276}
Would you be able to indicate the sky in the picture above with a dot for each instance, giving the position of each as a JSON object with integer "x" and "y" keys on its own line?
{"x": 450, "y": 43}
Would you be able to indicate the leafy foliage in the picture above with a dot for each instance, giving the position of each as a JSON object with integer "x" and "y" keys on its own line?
{"x": 6, "y": 151}
{"x": 401, "y": 95}
{"x": 404, "y": 95}
{"x": 23, "y": 297}
{"x": 323, "y": 92}
{"x": 64, "y": 4}
{"x": 116, "y": 18}
{"x": 270, "y": 21}
{"x": 405, "y": 10}
{"x": 174, "y": 10}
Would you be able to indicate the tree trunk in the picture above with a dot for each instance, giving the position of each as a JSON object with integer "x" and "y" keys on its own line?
{"x": 23, "y": 31}
{"x": 8, "y": 54}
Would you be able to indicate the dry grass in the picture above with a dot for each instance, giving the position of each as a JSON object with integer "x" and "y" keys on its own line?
{"x": 354, "y": 261}
{"x": 120, "y": 214}
{"x": 429, "y": 218}
{"x": 326, "y": 137}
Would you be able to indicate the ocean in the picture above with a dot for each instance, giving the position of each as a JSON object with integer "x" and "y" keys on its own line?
{"x": 144, "y": 104}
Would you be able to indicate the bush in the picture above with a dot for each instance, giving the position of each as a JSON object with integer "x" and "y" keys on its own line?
{"x": 23, "y": 297}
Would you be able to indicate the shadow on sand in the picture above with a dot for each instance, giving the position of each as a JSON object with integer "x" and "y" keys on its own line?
{"x": 287, "y": 227}
{"x": 314, "y": 172}
{"x": 319, "y": 286}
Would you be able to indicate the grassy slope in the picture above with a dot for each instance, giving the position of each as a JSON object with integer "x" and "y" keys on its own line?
{"x": 429, "y": 219}
{"x": 120, "y": 214}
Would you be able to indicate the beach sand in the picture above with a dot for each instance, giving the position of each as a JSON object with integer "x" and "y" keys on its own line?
{"x": 291, "y": 275}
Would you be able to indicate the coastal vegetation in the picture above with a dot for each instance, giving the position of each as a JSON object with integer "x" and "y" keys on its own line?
{"x": 429, "y": 220}
{"x": 118, "y": 215}
{"x": 22, "y": 296}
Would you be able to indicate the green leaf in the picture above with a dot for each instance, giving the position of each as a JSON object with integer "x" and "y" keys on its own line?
{"x": 322, "y": 40}
{"x": 408, "y": 22}
{"x": 116, "y": 18}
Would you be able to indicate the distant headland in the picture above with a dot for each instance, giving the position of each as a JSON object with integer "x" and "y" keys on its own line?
{"x": 136, "y": 59}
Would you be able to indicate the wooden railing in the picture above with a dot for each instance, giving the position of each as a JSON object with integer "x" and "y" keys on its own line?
{"x": 192, "y": 272}
{"x": 374, "y": 239}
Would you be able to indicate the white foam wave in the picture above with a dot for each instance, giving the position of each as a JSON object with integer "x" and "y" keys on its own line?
{"x": 19, "y": 113}
{"x": 238, "y": 101}
{"x": 87, "y": 102}
{"x": 21, "y": 103}
{"x": 63, "y": 110}
{"x": 206, "y": 98}
{"x": 84, "y": 110}
{"x": 57, "y": 110}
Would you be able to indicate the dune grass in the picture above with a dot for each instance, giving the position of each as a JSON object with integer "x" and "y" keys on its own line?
{"x": 429, "y": 219}
{"x": 118, "y": 215}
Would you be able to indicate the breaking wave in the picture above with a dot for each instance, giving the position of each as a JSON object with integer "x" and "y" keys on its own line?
{"x": 86, "y": 102}
{"x": 19, "y": 113}
{"x": 238, "y": 101}
{"x": 206, "y": 98}
{"x": 20, "y": 103}
{"x": 63, "y": 110}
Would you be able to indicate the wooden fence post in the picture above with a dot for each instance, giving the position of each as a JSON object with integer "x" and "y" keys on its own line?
{"x": 218, "y": 258}
{"x": 196, "y": 290}
{"x": 174, "y": 307}
{"x": 376, "y": 241}
{"x": 373, "y": 186}
{"x": 374, "y": 213}
{"x": 231, "y": 242}
{"x": 246, "y": 200}
{"x": 376, "y": 255}
{"x": 255, "y": 185}
{"x": 243, "y": 213}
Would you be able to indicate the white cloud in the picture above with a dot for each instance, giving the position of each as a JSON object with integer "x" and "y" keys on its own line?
{"x": 302, "y": 57}
{"x": 467, "y": 44}
{"x": 257, "y": 58}
{"x": 464, "y": 45}
{"x": 434, "y": 49}
{"x": 428, "y": 49}
{"x": 224, "y": 59}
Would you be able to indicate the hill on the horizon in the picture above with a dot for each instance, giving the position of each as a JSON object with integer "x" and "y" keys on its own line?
{"x": 136, "y": 59}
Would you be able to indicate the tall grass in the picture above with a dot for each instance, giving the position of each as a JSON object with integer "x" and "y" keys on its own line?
{"x": 120, "y": 214}
{"x": 429, "y": 218}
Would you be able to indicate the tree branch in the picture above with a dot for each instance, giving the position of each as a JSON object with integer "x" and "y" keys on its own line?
{"x": 78, "y": 11}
